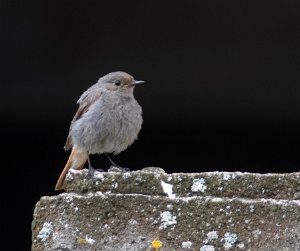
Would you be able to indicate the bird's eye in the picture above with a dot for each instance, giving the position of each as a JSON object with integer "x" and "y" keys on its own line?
{"x": 117, "y": 82}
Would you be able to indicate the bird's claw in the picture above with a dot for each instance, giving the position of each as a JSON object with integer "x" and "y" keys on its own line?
{"x": 119, "y": 169}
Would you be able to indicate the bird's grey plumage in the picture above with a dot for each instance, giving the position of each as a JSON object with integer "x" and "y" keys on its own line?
{"x": 109, "y": 118}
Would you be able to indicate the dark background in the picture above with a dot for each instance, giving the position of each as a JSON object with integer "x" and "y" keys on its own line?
{"x": 222, "y": 91}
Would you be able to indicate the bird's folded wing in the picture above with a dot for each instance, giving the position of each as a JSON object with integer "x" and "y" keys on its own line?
{"x": 86, "y": 100}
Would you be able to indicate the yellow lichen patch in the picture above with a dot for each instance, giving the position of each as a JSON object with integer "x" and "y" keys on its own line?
{"x": 156, "y": 244}
{"x": 81, "y": 241}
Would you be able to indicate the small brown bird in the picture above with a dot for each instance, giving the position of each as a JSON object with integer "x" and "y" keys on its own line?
{"x": 108, "y": 120}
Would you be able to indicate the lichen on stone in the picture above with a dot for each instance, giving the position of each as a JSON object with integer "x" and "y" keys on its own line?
{"x": 207, "y": 248}
{"x": 230, "y": 240}
{"x": 46, "y": 231}
{"x": 167, "y": 219}
{"x": 199, "y": 185}
{"x": 186, "y": 245}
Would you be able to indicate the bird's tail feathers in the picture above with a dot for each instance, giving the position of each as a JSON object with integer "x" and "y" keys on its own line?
{"x": 76, "y": 161}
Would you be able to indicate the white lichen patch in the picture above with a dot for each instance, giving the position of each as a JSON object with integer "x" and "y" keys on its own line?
{"x": 114, "y": 185}
{"x": 229, "y": 176}
{"x": 72, "y": 173}
{"x": 199, "y": 185}
{"x": 168, "y": 189}
{"x": 228, "y": 211}
{"x": 69, "y": 176}
{"x": 132, "y": 222}
{"x": 186, "y": 245}
{"x": 256, "y": 233}
{"x": 241, "y": 245}
{"x": 252, "y": 208}
{"x": 139, "y": 179}
{"x": 170, "y": 207}
{"x": 46, "y": 231}
{"x": 68, "y": 197}
{"x": 99, "y": 176}
{"x": 230, "y": 240}
{"x": 89, "y": 240}
{"x": 211, "y": 236}
{"x": 207, "y": 248}
{"x": 126, "y": 175}
{"x": 167, "y": 219}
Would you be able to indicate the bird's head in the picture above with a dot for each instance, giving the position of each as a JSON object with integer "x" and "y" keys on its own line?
{"x": 119, "y": 81}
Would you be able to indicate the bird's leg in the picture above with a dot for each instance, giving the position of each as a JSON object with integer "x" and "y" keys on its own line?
{"x": 111, "y": 160}
{"x": 91, "y": 168}
{"x": 115, "y": 165}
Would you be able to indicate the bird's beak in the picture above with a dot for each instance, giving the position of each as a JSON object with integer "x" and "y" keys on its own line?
{"x": 137, "y": 82}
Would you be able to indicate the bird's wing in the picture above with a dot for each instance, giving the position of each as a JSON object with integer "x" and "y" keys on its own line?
{"x": 86, "y": 100}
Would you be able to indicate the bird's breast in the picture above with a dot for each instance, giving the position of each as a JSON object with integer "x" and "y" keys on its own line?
{"x": 110, "y": 126}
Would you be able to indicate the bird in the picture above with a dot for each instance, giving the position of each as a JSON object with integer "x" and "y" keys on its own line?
{"x": 108, "y": 121}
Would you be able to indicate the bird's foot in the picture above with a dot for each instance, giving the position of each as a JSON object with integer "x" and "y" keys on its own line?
{"x": 114, "y": 167}
{"x": 117, "y": 168}
{"x": 91, "y": 172}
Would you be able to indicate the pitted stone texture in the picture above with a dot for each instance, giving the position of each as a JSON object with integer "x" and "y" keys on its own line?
{"x": 96, "y": 221}
{"x": 200, "y": 211}
{"x": 216, "y": 184}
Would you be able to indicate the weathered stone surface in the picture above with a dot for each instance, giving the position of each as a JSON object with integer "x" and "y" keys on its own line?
{"x": 203, "y": 212}
{"x": 218, "y": 184}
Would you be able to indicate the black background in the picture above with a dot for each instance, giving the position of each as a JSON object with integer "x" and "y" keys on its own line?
{"x": 222, "y": 91}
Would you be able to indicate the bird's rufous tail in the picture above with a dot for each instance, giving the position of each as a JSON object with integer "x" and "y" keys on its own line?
{"x": 76, "y": 160}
